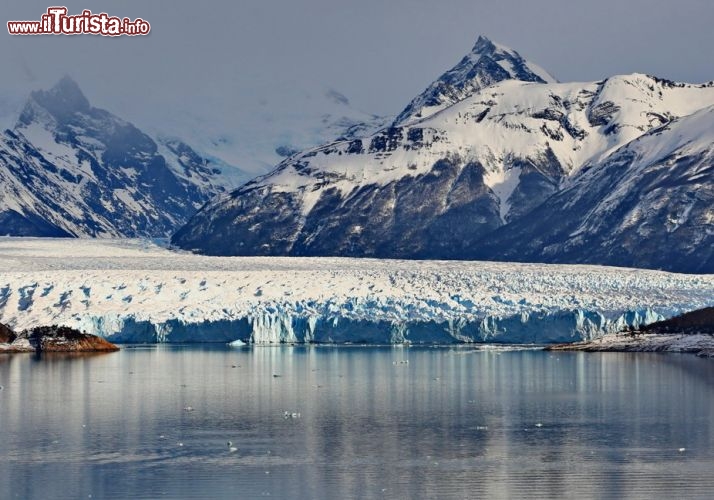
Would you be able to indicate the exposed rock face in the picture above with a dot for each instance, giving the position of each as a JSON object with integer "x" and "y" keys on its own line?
{"x": 55, "y": 339}
{"x": 7, "y": 336}
{"x": 486, "y": 64}
{"x": 649, "y": 204}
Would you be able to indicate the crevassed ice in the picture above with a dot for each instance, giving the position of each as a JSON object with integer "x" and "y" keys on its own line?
{"x": 132, "y": 291}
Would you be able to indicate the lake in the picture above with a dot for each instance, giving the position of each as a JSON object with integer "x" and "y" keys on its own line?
{"x": 361, "y": 422}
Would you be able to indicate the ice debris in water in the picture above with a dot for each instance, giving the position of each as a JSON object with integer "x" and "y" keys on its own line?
{"x": 287, "y": 415}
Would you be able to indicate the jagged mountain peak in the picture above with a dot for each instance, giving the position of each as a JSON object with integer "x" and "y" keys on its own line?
{"x": 71, "y": 169}
{"x": 63, "y": 100}
{"x": 483, "y": 44}
{"x": 487, "y": 63}
{"x": 66, "y": 86}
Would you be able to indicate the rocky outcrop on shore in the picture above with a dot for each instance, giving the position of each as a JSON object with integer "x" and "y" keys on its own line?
{"x": 52, "y": 339}
{"x": 6, "y": 335}
{"x": 700, "y": 344}
{"x": 692, "y": 332}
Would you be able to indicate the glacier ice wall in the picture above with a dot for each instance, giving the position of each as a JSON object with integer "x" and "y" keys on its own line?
{"x": 128, "y": 291}
{"x": 286, "y": 327}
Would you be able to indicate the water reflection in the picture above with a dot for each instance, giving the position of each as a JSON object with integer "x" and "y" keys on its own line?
{"x": 450, "y": 423}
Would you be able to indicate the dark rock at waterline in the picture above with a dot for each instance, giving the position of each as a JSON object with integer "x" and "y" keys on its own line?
{"x": 56, "y": 339}
{"x": 692, "y": 332}
{"x": 7, "y": 336}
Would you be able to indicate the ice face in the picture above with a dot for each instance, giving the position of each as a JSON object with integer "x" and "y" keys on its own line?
{"x": 134, "y": 291}
{"x": 290, "y": 327}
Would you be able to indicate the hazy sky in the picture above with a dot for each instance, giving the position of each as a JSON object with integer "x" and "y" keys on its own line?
{"x": 221, "y": 56}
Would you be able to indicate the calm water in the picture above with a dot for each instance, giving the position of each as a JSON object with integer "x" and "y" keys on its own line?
{"x": 450, "y": 423}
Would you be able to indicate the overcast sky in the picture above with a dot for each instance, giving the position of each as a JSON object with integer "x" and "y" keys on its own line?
{"x": 213, "y": 56}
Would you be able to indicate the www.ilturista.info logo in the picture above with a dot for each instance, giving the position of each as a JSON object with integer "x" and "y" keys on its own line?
{"x": 57, "y": 22}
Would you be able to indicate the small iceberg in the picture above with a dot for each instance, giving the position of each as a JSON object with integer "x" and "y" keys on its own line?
{"x": 237, "y": 343}
{"x": 498, "y": 348}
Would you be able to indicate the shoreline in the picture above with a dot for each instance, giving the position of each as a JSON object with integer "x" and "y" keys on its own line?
{"x": 701, "y": 344}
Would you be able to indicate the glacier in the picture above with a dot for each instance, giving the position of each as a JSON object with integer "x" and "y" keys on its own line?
{"x": 134, "y": 291}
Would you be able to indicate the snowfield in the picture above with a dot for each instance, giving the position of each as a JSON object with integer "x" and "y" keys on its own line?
{"x": 136, "y": 291}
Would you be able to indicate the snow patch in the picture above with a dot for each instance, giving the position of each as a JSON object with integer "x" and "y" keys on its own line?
{"x": 503, "y": 183}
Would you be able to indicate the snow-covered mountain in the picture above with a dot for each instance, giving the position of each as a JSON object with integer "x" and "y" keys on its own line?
{"x": 439, "y": 185}
{"x": 486, "y": 64}
{"x": 648, "y": 204}
{"x": 69, "y": 169}
{"x": 246, "y": 128}
{"x": 283, "y": 118}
